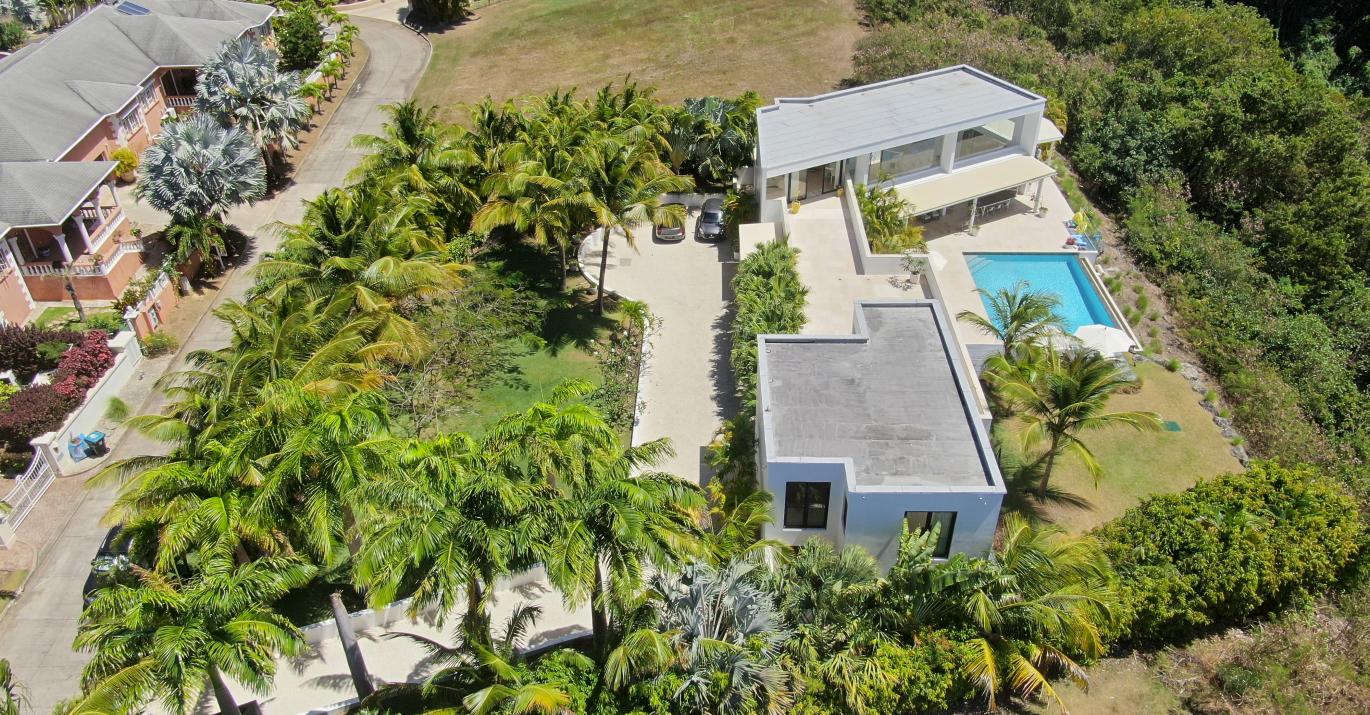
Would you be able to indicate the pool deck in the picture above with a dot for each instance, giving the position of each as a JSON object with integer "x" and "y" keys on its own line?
{"x": 1019, "y": 232}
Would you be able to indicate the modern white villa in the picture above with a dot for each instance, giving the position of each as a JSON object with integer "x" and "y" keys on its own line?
{"x": 951, "y": 136}
{"x": 864, "y": 431}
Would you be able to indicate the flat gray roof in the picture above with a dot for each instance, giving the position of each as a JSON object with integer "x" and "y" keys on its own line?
{"x": 890, "y": 399}
{"x": 795, "y": 133}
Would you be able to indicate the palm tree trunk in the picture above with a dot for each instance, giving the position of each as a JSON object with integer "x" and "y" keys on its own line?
{"x": 356, "y": 664}
{"x": 240, "y": 554}
{"x": 1046, "y": 468}
{"x": 562, "y": 246}
{"x": 599, "y": 615}
{"x": 476, "y": 624}
{"x": 222, "y": 695}
{"x": 603, "y": 266}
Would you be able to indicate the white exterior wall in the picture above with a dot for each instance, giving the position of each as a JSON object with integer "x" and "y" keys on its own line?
{"x": 774, "y": 477}
{"x": 875, "y": 519}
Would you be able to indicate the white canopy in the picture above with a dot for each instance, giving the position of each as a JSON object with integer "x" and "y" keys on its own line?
{"x": 1105, "y": 339}
{"x": 966, "y": 184}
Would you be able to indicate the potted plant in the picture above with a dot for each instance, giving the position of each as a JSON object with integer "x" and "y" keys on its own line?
{"x": 794, "y": 207}
{"x": 127, "y": 166}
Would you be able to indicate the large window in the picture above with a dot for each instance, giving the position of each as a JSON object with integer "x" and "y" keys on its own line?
{"x": 921, "y": 521}
{"x": 806, "y": 505}
{"x": 985, "y": 138}
{"x": 907, "y": 159}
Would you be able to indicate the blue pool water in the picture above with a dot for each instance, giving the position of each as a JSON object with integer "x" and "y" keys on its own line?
{"x": 1059, "y": 273}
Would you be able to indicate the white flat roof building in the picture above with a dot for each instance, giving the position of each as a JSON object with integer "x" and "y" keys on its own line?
{"x": 921, "y": 129}
{"x": 860, "y": 434}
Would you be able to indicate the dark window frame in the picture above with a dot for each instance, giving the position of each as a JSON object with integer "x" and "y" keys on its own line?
{"x": 801, "y": 509}
{"x": 943, "y": 547}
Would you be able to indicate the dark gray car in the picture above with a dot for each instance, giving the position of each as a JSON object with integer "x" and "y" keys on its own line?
{"x": 709, "y": 227}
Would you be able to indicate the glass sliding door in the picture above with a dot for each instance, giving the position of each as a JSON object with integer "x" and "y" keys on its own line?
{"x": 832, "y": 177}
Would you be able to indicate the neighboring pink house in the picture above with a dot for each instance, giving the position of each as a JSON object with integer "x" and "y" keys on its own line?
{"x": 104, "y": 81}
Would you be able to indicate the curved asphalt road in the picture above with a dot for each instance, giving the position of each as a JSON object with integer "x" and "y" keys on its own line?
{"x": 38, "y": 630}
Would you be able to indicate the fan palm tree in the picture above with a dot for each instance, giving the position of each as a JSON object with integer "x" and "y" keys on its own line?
{"x": 166, "y": 637}
{"x": 28, "y": 12}
{"x": 622, "y": 188}
{"x": 720, "y": 632}
{"x": 199, "y": 169}
{"x": 1065, "y": 397}
{"x": 1018, "y": 317}
{"x": 1037, "y": 608}
{"x": 448, "y": 524}
{"x": 241, "y": 86}
{"x": 485, "y": 677}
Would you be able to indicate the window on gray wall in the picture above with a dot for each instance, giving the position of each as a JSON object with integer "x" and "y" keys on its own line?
{"x": 924, "y": 521}
{"x": 908, "y": 158}
{"x": 985, "y": 138}
{"x": 806, "y": 505}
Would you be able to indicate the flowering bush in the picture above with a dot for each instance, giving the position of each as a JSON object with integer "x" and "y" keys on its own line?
{"x": 82, "y": 365}
{"x": 31, "y": 412}
{"x": 19, "y": 348}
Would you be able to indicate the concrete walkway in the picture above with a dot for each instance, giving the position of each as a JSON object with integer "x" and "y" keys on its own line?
{"x": 37, "y": 632}
{"x": 687, "y": 388}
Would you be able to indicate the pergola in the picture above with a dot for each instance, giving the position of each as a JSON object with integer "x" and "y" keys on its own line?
{"x": 976, "y": 182}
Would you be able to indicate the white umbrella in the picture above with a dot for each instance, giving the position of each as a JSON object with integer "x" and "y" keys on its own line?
{"x": 1107, "y": 340}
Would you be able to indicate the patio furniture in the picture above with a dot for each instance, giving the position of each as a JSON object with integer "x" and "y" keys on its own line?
{"x": 995, "y": 202}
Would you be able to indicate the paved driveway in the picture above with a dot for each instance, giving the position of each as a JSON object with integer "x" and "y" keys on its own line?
{"x": 687, "y": 386}
{"x": 37, "y": 632}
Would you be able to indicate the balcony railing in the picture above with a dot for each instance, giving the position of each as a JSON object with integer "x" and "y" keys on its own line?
{"x": 181, "y": 102}
{"x": 85, "y": 269}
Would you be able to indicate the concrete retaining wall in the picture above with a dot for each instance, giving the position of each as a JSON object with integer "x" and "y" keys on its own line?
{"x": 867, "y": 263}
{"x": 91, "y": 414}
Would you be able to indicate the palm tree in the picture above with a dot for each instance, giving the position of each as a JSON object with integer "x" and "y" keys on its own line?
{"x": 417, "y": 155}
{"x": 1036, "y": 608}
{"x": 1018, "y": 317}
{"x": 12, "y": 694}
{"x": 198, "y": 169}
{"x": 28, "y": 12}
{"x": 198, "y": 234}
{"x": 241, "y": 86}
{"x": 1065, "y": 397}
{"x": 167, "y": 636}
{"x": 486, "y": 677}
{"x": 720, "y": 632}
{"x": 622, "y": 187}
{"x": 447, "y": 525}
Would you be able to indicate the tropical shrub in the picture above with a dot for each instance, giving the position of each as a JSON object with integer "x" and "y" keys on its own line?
{"x": 158, "y": 343}
{"x": 299, "y": 36}
{"x": 1229, "y": 549}
{"x": 82, "y": 365}
{"x": 891, "y": 225}
{"x": 109, "y": 322}
{"x": 19, "y": 349}
{"x": 128, "y": 162}
{"x": 12, "y": 35}
{"x": 915, "y": 679}
{"x": 440, "y": 11}
{"x": 31, "y": 412}
{"x": 6, "y": 389}
{"x": 770, "y": 299}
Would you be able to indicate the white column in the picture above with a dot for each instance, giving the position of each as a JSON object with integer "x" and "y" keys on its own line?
{"x": 13, "y": 242}
{"x": 62, "y": 243}
{"x": 114, "y": 195}
{"x": 949, "y": 151}
{"x": 1037, "y": 197}
{"x": 85, "y": 235}
{"x": 974, "y": 205}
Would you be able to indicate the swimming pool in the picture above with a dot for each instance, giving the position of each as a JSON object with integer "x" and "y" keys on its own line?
{"x": 1059, "y": 273}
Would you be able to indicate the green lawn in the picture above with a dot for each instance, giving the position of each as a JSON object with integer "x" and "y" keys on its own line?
{"x": 1136, "y": 464}
{"x": 55, "y": 316}
{"x": 537, "y": 373}
{"x": 687, "y": 48}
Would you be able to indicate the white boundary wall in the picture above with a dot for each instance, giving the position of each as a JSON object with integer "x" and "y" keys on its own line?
{"x": 127, "y": 357}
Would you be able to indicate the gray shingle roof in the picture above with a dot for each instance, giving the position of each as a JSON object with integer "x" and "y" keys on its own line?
{"x": 892, "y": 399}
{"x": 801, "y": 132}
{"x": 56, "y": 91}
{"x": 45, "y": 193}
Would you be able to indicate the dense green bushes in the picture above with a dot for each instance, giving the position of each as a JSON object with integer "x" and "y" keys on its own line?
{"x": 25, "y": 350}
{"x": 1229, "y": 549}
{"x": 770, "y": 299}
{"x": 299, "y": 36}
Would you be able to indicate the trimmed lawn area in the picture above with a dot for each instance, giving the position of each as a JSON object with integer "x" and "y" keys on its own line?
{"x": 1136, "y": 464}
{"x": 688, "y": 48}
{"x": 55, "y": 315}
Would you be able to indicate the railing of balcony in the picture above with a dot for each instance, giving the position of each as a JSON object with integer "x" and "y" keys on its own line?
{"x": 181, "y": 102}
{"x": 85, "y": 269}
